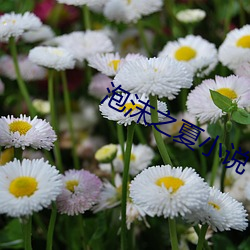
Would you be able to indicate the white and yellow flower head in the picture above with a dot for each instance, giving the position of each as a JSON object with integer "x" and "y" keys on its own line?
{"x": 28, "y": 186}
{"x": 221, "y": 212}
{"x": 141, "y": 157}
{"x": 26, "y": 132}
{"x": 132, "y": 104}
{"x": 89, "y": 3}
{"x": 130, "y": 10}
{"x": 52, "y": 57}
{"x": 169, "y": 192}
{"x": 14, "y": 25}
{"x": 85, "y": 44}
{"x": 191, "y": 15}
{"x": 197, "y": 53}
{"x": 235, "y": 49}
{"x": 200, "y": 103}
{"x": 106, "y": 153}
{"x": 163, "y": 77}
{"x": 42, "y": 34}
{"x": 110, "y": 63}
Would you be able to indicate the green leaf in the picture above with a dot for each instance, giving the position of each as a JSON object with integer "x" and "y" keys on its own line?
{"x": 241, "y": 116}
{"x": 215, "y": 129}
{"x": 221, "y": 101}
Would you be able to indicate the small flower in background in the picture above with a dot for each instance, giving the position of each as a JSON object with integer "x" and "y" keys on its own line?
{"x": 26, "y": 132}
{"x": 51, "y": 57}
{"x": 235, "y": 49}
{"x": 28, "y": 69}
{"x": 83, "y": 2}
{"x": 84, "y": 44}
{"x": 98, "y": 85}
{"x": 197, "y": 53}
{"x": 141, "y": 157}
{"x": 80, "y": 192}
{"x": 6, "y": 156}
{"x": 243, "y": 69}
{"x": 106, "y": 154}
{"x": 14, "y": 25}
{"x": 221, "y": 212}
{"x": 28, "y": 186}
{"x": 130, "y": 11}
{"x": 200, "y": 103}
{"x": 42, "y": 34}
{"x": 191, "y": 15}
{"x": 41, "y": 106}
{"x": 169, "y": 192}
{"x": 121, "y": 117}
{"x": 156, "y": 76}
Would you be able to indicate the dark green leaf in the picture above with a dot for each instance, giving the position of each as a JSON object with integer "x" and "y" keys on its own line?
{"x": 241, "y": 116}
{"x": 221, "y": 101}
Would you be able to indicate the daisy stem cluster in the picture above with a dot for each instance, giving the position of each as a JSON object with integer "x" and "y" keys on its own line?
{"x": 53, "y": 118}
{"x": 66, "y": 96}
{"x": 27, "y": 231}
{"x": 158, "y": 138}
{"x": 124, "y": 231}
{"x": 202, "y": 235}
{"x": 20, "y": 81}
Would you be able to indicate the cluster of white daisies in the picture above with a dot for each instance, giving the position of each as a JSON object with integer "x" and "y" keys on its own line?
{"x": 28, "y": 186}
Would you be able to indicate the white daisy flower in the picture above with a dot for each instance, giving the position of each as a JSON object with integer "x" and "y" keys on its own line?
{"x": 130, "y": 110}
{"x": 42, "y": 34}
{"x": 156, "y": 76}
{"x": 85, "y": 44}
{"x": 243, "y": 70}
{"x": 130, "y": 11}
{"x": 221, "y": 212}
{"x": 197, "y": 53}
{"x": 200, "y": 103}
{"x": 28, "y": 186}
{"x": 89, "y": 3}
{"x": 191, "y": 15}
{"x": 110, "y": 195}
{"x": 26, "y": 132}
{"x": 169, "y": 192}
{"x": 50, "y": 57}
{"x": 141, "y": 157}
{"x": 29, "y": 70}
{"x": 110, "y": 63}
{"x": 14, "y": 25}
{"x": 42, "y": 106}
{"x": 235, "y": 49}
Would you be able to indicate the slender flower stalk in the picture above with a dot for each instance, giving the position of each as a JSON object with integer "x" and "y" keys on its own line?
{"x": 21, "y": 84}
{"x": 53, "y": 119}
{"x": 158, "y": 138}
{"x": 202, "y": 235}
{"x": 86, "y": 17}
{"x": 173, "y": 235}
{"x": 124, "y": 232}
{"x": 120, "y": 136}
{"x": 66, "y": 96}
{"x": 27, "y": 229}
{"x": 49, "y": 245}
{"x": 216, "y": 163}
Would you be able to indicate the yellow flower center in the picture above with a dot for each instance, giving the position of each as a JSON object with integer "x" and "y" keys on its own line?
{"x": 132, "y": 157}
{"x": 170, "y": 182}
{"x": 129, "y": 1}
{"x": 13, "y": 21}
{"x": 57, "y": 52}
{"x": 244, "y": 42}
{"x": 129, "y": 106}
{"x": 176, "y": 127}
{"x": 20, "y": 126}
{"x": 23, "y": 186}
{"x": 185, "y": 53}
{"x": 227, "y": 92}
{"x": 70, "y": 185}
{"x": 214, "y": 205}
{"x": 114, "y": 64}
{"x": 6, "y": 156}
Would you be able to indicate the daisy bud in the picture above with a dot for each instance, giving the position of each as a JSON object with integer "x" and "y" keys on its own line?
{"x": 106, "y": 154}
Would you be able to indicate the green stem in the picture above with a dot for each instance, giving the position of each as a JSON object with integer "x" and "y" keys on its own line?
{"x": 82, "y": 227}
{"x": 173, "y": 235}
{"x": 27, "y": 229}
{"x": 216, "y": 163}
{"x": 242, "y": 14}
{"x": 18, "y": 153}
{"x": 120, "y": 136}
{"x": 20, "y": 81}
{"x": 158, "y": 138}
{"x": 143, "y": 37}
{"x": 112, "y": 173}
{"x": 86, "y": 17}
{"x": 50, "y": 233}
{"x": 124, "y": 232}
{"x": 140, "y": 135}
{"x": 202, "y": 237}
{"x": 54, "y": 120}
{"x": 66, "y": 96}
